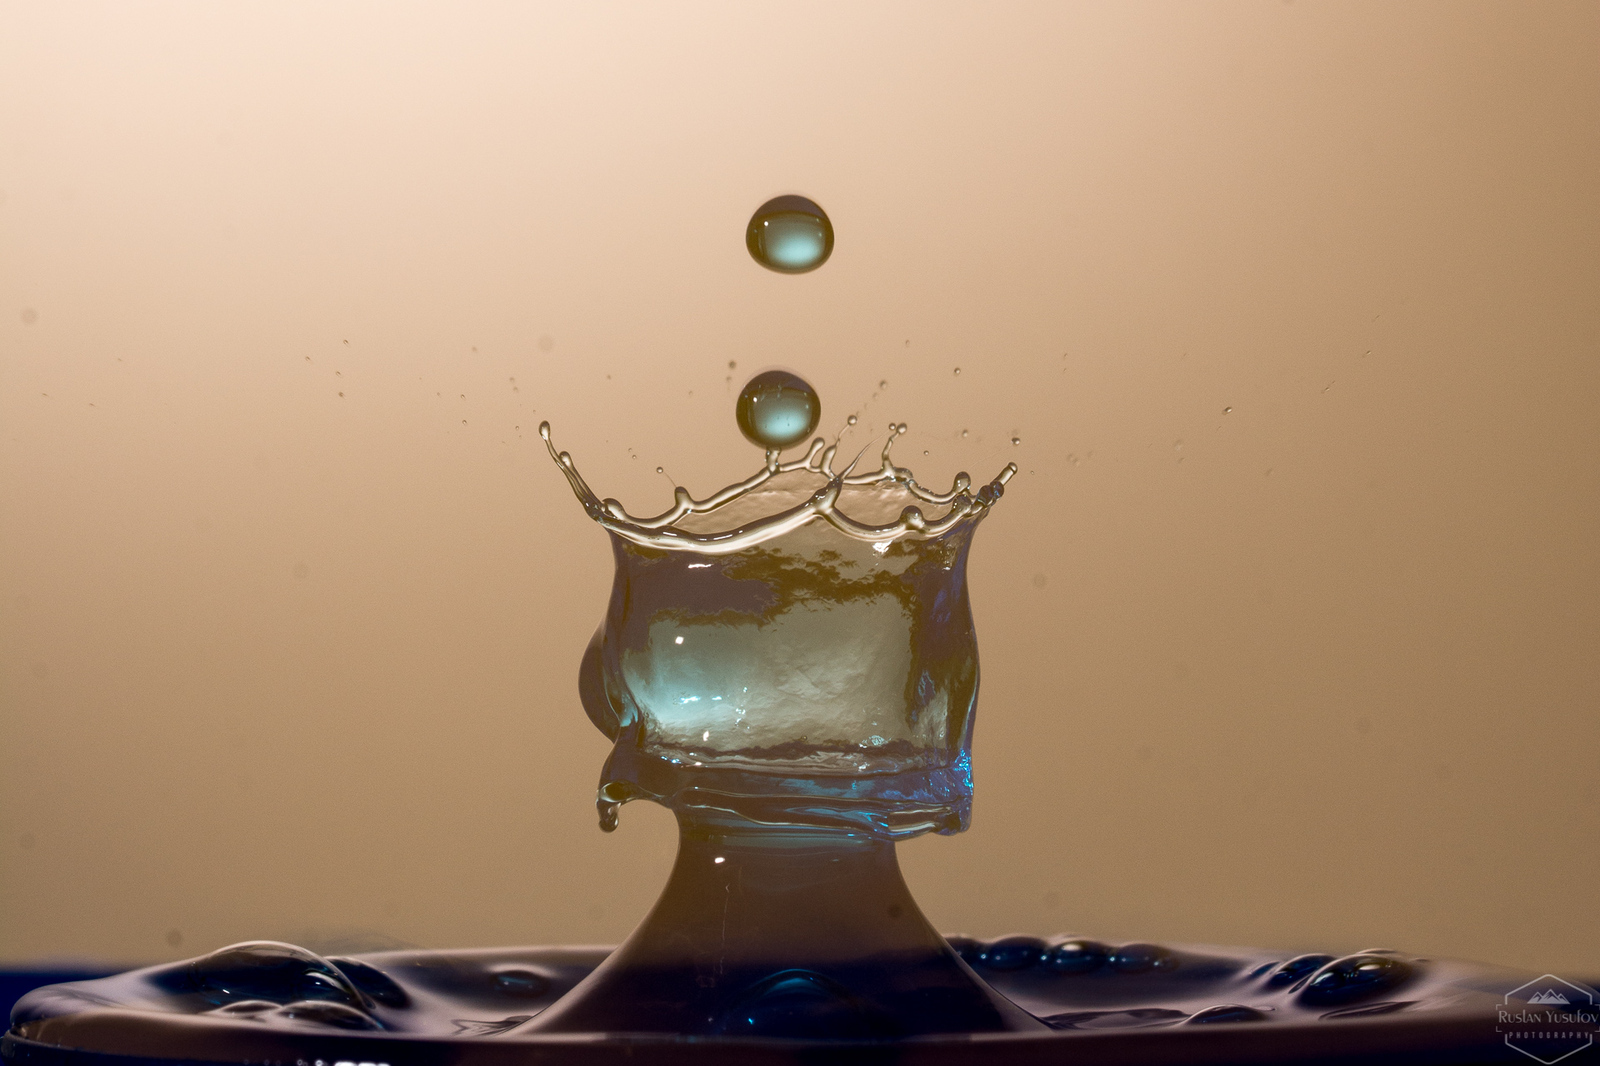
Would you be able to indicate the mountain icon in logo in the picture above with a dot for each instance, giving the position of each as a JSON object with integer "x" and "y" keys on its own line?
{"x": 1549, "y": 996}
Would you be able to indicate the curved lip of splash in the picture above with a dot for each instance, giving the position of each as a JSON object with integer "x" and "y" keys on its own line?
{"x": 660, "y": 532}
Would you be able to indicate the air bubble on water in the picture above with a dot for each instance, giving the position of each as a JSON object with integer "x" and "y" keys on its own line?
{"x": 777, "y": 409}
{"x": 789, "y": 234}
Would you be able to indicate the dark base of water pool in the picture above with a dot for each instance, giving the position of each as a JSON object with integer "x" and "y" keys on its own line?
{"x": 1102, "y": 1003}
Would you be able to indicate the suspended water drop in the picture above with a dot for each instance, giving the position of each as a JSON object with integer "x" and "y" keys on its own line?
{"x": 776, "y": 409}
{"x": 901, "y": 428}
{"x": 851, "y": 420}
{"x": 884, "y": 384}
{"x": 963, "y": 433}
{"x": 1227, "y": 410}
{"x": 958, "y": 371}
{"x": 789, "y": 234}
{"x": 661, "y": 470}
{"x": 1016, "y": 441}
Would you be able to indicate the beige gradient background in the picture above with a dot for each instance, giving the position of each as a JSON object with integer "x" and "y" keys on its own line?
{"x": 291, "y": 602}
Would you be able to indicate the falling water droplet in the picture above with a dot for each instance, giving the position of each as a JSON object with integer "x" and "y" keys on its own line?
{"x": 884, "y": 384}
{"x": 661, "y": 470}
{"x": 901, "y": 428}
{"x": 958, "y": 371}
{"x": 963, "y": 433}
{"x": 1227, "y": 410}
{"x": 851, "y": 420}
{"x": 1015, "y": 441}
{"x": 789, "y": 234}
{"x": 777, "y": 409}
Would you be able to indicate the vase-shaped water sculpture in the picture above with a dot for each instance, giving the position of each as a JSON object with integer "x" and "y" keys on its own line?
{"x": 790, "y": 666}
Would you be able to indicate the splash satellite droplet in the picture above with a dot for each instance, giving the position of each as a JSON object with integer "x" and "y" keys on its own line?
{"x": 1015, "y": 441}
{"x": 851, "y": 420}
{"x": 789, "y": 234}
{"x": 777, "y": 409}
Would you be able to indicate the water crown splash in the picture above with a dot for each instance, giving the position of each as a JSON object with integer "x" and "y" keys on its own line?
{"x": 796, "y": 648}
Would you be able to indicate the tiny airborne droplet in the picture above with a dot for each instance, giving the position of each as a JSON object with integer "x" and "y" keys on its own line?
{"x": 851, "y": 420}
{"x": 1015, "y": 441}
{"x": 777, "y": 409}
{"x": 789, "y": 234}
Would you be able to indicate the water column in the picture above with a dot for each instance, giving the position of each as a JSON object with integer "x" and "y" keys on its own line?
{"x": 789, "y": 665}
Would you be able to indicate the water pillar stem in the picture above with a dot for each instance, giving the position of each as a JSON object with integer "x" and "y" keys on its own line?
{"x": 778, "y": 931}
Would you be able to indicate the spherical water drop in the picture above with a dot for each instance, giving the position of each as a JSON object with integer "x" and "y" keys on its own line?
{"x": 958, "y": 371}
{"x": 1016, "y": 441}
{"x": 851, "y": 420}
{"x": 661, "y": 470}
{"x": 901, "y": 428}
{"x": 963, "y": 433}
{"x": 776, "y": 409}
{"x": 1227, "y": 410}
{"x": 789, "y": 234}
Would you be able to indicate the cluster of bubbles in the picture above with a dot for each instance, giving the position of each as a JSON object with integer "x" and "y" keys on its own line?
{"x": 1314, "y": 980}
{"x": 270, "y": 982}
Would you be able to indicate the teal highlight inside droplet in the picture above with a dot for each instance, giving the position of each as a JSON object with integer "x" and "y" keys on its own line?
{"x": 795, "y": 242}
